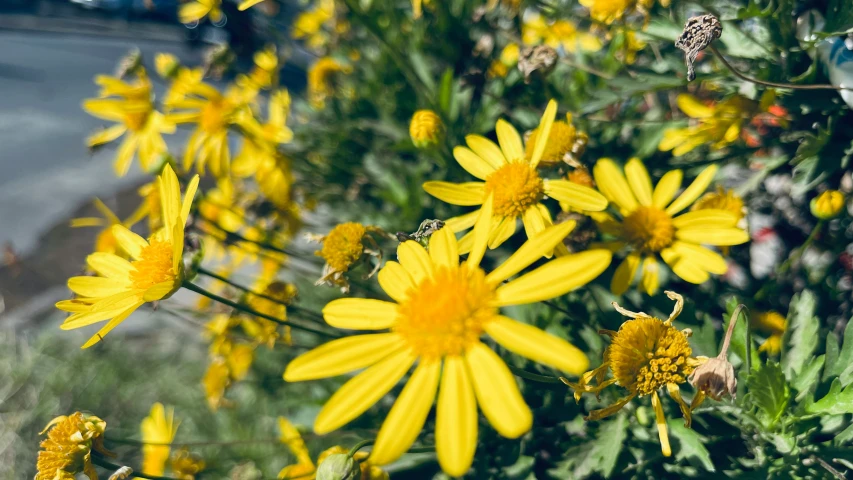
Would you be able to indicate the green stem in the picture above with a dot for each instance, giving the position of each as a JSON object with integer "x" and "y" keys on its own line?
{"x": 237, "y": 236}
{"x": 557, "y": 308}
{"x": 112, "y": 466}
{"x": 423, "y": 449}
{"x": 358, "y": 446}
{"x": 243, "y": 308}
{"x": 791, "y": 86}
{"x": 533, "y": 376}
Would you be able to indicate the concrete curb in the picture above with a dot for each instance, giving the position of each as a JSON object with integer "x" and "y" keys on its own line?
{"x": 92, "y": 27}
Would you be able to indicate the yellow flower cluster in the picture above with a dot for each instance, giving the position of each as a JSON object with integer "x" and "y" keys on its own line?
{"x": 67, "y": 450}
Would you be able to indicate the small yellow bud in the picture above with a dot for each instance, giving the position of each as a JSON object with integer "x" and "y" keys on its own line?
{"x": 166, "y": 64}
{"x": 828, "y": 204}
{"x": 426, "y": 129}
{"x": 338, "y": 466}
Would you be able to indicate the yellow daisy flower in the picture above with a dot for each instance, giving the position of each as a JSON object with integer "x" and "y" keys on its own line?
{"x": 136, "y": 119}
{"x": 213, "y": 113}
{"x": 105, "y": 242}
{"x": 265, "y": 72}
{"x": 67, "y": 450}
{"x": 560, "y": 33}
{"x": 609, "y": 11}
{"x": 719, "y": 124}
{"x": 645, "y": 355}
{"x": 122, "y": 286}
{"x": 196, "y": 10}
{"x": 511, "y": 178}
{"x": 649, "y": 226}
{"x": 158, "y": 427}
{"x": 321, "y": 78}
{"x": 309, "y": 24}
{"x": 563, "y": 141}
{"x": 441, "y": 309}
{"x": 774, "y": 325}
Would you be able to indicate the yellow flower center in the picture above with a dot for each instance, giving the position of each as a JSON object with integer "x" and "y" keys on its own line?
{"x": 154, "y": 266}
{"x": 342, "y": 246}
{"x": 722, "y": 199}
{"x": 213, "y": 116}
{"x": 135, "y": 121}
{"x": 516, "y": 187}
{"x": 647, "y": 354}
{"x": 446, "y": 313}
{"x": 649, "y": 229}
{"x": 560, "y": 142}
{"x": 581, "y": 176}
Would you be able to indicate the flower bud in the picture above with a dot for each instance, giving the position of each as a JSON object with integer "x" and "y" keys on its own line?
{"x": 426, "y": 129}
{"x": 166, "y": 64}
{"x": 338, "y": 466}
{"x": 828, "y": 204}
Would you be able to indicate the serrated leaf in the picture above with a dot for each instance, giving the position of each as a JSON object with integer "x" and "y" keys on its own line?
{"x": 768, "y": 393}
{"x": 800, "y": 339}
{"x": 600, "y": 454}
{"x": 837, "y": 401}
{"x": 808, "y": 378}
{"x": 839, "y": 358}
{"x": 691, "y": 445}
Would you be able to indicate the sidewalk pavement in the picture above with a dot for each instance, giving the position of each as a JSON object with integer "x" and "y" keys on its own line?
{"x": 93, "y": 26}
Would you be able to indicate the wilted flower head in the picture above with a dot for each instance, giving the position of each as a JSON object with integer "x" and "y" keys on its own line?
{"x": 716, "y": 376}
{"x": 828, "y": 204}
{"x": 67, "y": 450}
{"x": 342, "y": 248}
{"x": 426, "y": 128}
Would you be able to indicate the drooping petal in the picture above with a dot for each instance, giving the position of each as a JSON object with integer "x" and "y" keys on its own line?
{"x": 660, "y": 421}
{"x": 456, "y": 418}
{"x": 613, "y": 185}
{"x": 486, "y": 150}
{"x": 342, "y": 356}
{"x": 415, "y": 260}
{"x": 709, "y": 218}
{"x": 472, "y": 163}
{"x": 691, "y": 193}
{"x": 624, "y": 274}
{"x": 675, "y": 393}
{"x": 638, "y": 179}
{"x": 360, "y": 313}
{"x": 666, "y": 188}
{"x": 481, "y": 233}
{"x": 497, "y": 393}
{"x": 713, "y": 236}
{"x": 464, "y": 194}
{"x": 537, "y": 345}
{"x": 510, "y": 141}
{"x": 544, "y": 132}
{"x": 362, "y": 391}
{"x": 576, "y": 196}
{"x": 533, "y": 249}
{"x": 395, "y": 281}
{"x": 555, "y": 278}
{"x": 406, "y": 418}
{"x": 111, "y": 325}
{"x": 443, "y": 248}
{"x": 649, "y": 282}
{"x": 110, "y": 266}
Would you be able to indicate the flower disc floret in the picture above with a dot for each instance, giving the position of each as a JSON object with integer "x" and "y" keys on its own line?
{"x": 649, "y": 229}
{"x": 647, "y": 354}
{"x": 446, "y": 313}
{"x": 154, "y": 266}
{"x": 516, "y": 187}
{"x": 342, "y": 247}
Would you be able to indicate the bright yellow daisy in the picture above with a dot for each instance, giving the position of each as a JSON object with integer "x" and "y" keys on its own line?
{"x": 560, "y": 33}
{"x": 322, "y": 77}
{"x": 512, "y": 180}
{"x": 122, "y": 286}
{"x": 774, "y": 325}
{"x": 649, "y": 225}
{"x": 158, "y": 427}
{"x": 442, "y": 307}
{"x": 196, "y": 10}
{"x": 142, "y": 126}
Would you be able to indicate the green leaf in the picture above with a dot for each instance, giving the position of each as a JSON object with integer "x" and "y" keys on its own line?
{"x": 738, "y": 44}
{"x": 836, "y": 402}
{"x": 839, "y": 358}
{"x": 597, "y": 455}
{"x": 808, "y": 378}
{"x": 691, "y": 445}
{"x": 768, "y": 393}
{"x": 445, "y": 91}
{"x": 800, "y": 339}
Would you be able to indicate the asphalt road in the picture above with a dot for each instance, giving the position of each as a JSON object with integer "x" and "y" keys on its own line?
{"x": 46, "y": 172}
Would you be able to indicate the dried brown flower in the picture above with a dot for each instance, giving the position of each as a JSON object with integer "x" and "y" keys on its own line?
{"x": 698, "y": 33}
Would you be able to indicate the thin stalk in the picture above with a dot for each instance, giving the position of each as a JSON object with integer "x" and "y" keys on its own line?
{"x": 243, "y": 308}
{"x": 533, "y": 376}
{"x": 423, "y": 449}
{"x": 358, "y": 446}
{"x": 127, "y": 441}
{"x": 112, "y": 466}
{"x": 557, "y": 308}
{"x": 237, "y": 236}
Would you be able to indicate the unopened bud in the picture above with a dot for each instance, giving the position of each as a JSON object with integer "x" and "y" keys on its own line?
{"x": 166, "y": 64}
{"x": 426, "y": 129}
{"x": 338, "y": 466}
{"x": 828, "y": 204}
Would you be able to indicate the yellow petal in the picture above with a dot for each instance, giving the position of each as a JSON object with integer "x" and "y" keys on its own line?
{"x": 129, "y": 241}
{"x": 170, "y": 199}
{"x": 124, "y": 156}
{"x": 502, "y": 231}
{"x": 708, "y": 260}
{"x": 683, "y": 267}
{"x": 675, "y": 393}
{"x": 462, "y": 222}
{"x": 443, "y": 250}
{"x": 537, "y": 345}
{"x": 638, "y": 179}
{"x": 406, "y": 418}
{"x": 159, "y": 291}
{"x": 464, "y": 194}
{"x": 555, "y": 278}
{"x": 534, "y": 222}
{"x": 481, "y": 232}
{"x": 290, "y": 436}
{"x": 660, "y": 420}
{"x": 96, "y": 286}
{"x": 577, "y": 196}
{"x": 497, "y": 393}
{"x": 472, "y": 163}
{"x": 111, "y": 325}
{"x": 247, "y": 4}
{"x": 486, "y": 150}
{"x": 666, "y": 188}
{"x": 613, "y": 185}
{"x": 415, "y": 260}
{"x": 713, "y": 236}
{"x": 466, "y": 243}
{"x": 456, "y": 419}
{"x": 360, "y": 313}
{"x": 624, "y": 275}
{"x": 544, "y": 132}
{"x": 510, "y": 141}
{"x": 532, "y": 250}
{"x": 691, "y": 106}
{"x": 691, "y": 193}
{"x": 649, "y": 282}
{"x": 709, "y": 218}
{"x": 362, "y": 391}
{"x": 193, "y": 11}
{"x": 342, "y": 356}
{"x": 110, "y": 266}
{"x": 188, "y": 200}
{"x": 106, "y": 135}
{"x": 395, "y": 281}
